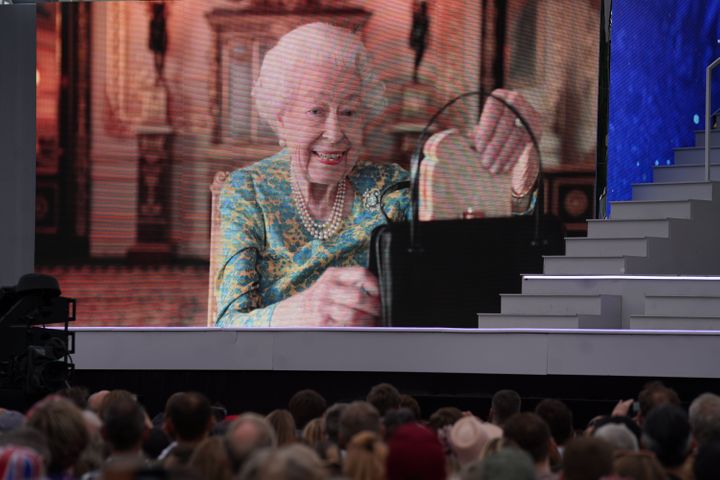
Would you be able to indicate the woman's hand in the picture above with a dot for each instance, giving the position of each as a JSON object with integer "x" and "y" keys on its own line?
{"x": 503, "y": 142}
{"x": 341, "y": 297}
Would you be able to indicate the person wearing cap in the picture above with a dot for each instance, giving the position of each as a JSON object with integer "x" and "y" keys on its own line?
{"x": 468, "y": 438}
{"x": 415, "y": 453}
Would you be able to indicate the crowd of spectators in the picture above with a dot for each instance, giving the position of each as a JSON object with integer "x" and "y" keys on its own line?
{"x": 109, "y": 435}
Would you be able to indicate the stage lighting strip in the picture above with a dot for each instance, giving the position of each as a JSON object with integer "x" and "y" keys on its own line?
{"x": 711, "y": 278}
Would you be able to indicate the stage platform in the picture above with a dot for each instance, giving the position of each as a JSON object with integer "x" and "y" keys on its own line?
{"x": 626, "y": 353}
{"x": 259, "y": 369}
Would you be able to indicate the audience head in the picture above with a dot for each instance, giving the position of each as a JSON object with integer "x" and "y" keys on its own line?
{"x": 444, "y": 417}
{"x": 30, "y": 438}
{"x": 312, "y": 434}
{"x": 628, "y": 422}
{"x": 77, "y": 395}
{"x": 384, "y": 397}
{"x": 246, "y": 434}
{"x": 10, "y": 420}
{"x": 468, "y": 438}
{"x": 306, "y": 405}
{"x": 666, "y": 433}
{"x": 505, "y": 403}
{"x": 123, "y": 424}
{"x": 506, "y": 464}
{"x": 558, "y": 417}
{"x": 63, "y": 426}
{"x": 291, "y": 462}
{"x": 355, "y": 418}
{"x": 409, "y": 402}
{"x": 706, "y": 465}
{"x": 284, "y": 426}
{"x": 653, "y": 395}
{"x": 638, "y": 466}
{"x": 95, "y": 400}
{"x": 331, "y": 422}
{"x": 188, "y": 416}
{"x": 415, "y": 454}
{"x": 21, "y": 463}
{"x": 618, "y": 436}
{"x": 211, "y": 459}
{"x": 365, "y": 458}
{"x": 529, "y": 432}
{"x": 394, "y": 418}
{"x": 587, "y": 458}
{"x": 705, "y": 418}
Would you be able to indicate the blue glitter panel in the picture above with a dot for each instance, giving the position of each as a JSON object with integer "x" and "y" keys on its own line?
{"x": 659, "y": 51}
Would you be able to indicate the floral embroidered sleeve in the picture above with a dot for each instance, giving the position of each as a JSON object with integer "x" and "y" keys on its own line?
{"x": 239, "y": 303}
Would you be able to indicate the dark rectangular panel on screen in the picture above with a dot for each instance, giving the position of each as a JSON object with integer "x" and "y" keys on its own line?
{"x": 17, "y": 141}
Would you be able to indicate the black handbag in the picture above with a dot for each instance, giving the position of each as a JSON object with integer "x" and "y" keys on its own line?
{"x": 442, "y": 273}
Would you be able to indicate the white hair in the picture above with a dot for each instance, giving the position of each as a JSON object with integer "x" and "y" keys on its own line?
{"x": 619, "y": 436}
{"x": 705, "y": 417}
{"x": 302, "y": 49}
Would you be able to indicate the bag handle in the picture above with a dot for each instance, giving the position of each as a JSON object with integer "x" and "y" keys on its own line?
{"x": 418, "y": 157}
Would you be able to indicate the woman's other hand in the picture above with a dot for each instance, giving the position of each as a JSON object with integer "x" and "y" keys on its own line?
{"x": 341, "y": 297}
{"x": 503, "y": 142}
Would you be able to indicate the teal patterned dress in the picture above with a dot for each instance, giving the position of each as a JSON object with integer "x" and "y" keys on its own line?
{"x": 268, "y": 256}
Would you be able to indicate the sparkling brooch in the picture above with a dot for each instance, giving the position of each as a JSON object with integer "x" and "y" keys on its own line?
{"x": 371, "y": 199}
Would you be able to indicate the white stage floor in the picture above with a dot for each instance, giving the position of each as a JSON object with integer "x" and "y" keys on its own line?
{"x": 634, "y": 353}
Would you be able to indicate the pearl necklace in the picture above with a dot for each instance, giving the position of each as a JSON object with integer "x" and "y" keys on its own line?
{"x": 320, "y": 230}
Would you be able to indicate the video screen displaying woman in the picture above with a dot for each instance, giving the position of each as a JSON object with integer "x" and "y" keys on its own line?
{"x": 296, "y": 226}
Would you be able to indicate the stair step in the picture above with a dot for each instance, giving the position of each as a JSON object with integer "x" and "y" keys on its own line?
{"x": 607, "y": 247}
{"x": 558, "y": 265}
{"x": 669, "y": 322}
{"x": 695, "y": 155}
{"x": 682, "y": 305}
{"x": 632, "y": 288}
{"x": 714, "y": 138}
{"x": 635, "y": 285}
{"x": 654, "y": 209}
{"x": 499, "y": 320}
{"x": 674, "y": 191}
{"x": 608, "y": 306}
{"x": 630, "y": 228}
{"x": 684, "y": 173}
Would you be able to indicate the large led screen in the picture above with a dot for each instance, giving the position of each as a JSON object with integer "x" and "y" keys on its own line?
{"x": 146, "y": 111}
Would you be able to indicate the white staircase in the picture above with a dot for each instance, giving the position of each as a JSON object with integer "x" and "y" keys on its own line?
{"x": 654, "y": 265}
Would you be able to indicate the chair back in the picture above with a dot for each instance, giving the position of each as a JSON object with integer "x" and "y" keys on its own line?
{"x": 215, "y": 235}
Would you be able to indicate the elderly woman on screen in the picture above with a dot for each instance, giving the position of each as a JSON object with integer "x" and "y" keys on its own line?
{"x": 296, "y": 226}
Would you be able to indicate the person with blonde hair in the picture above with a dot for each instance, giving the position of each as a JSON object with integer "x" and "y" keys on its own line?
{"x": 211, "y": 459}
{"x": 313, "y": 434}
{"x": 284, "y": 425}
{"x": 366, "y": 456}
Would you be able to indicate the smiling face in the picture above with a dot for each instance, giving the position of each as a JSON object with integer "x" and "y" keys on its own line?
{"x": 322, "y": 126}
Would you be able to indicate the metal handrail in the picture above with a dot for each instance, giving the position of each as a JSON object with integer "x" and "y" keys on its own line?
{"x": 708, "y": 78}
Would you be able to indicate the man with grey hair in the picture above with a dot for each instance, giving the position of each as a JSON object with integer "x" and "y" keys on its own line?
{"x": 618, "y": 436}
{"x": 705, "y": 418}
{"x": 357, "y": 417}
{"x": 331, "y": 422}
{"x": 248, "y": 433}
